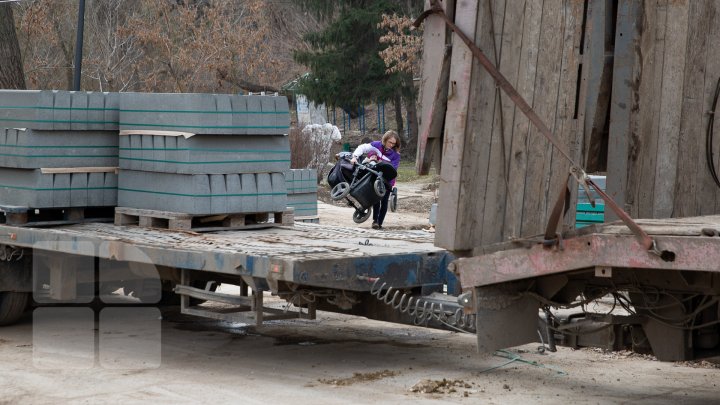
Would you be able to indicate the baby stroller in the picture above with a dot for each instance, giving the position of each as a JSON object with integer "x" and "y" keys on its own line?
{"x": 363, "y": 185}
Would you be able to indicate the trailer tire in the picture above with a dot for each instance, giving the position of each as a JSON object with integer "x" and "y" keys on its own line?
{"x": 12, "y": 306}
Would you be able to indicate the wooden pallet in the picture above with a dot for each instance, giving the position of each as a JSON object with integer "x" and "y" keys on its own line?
{"x": 201, "y": 223}
{"x": 40, "y": 217}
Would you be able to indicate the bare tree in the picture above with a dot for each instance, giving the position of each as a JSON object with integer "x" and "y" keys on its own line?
{"x": 11, "y": 68}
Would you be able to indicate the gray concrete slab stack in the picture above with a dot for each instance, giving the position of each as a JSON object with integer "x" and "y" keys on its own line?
{"x": 302, "y": 193}
{"x": 203, "y": 154}
{"x": 39, "y": 189}
{"x": 71, "y": 131}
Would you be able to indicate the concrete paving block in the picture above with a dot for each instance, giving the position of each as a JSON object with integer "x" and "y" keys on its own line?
{"x": 95, "y": 184}
{"x": 44, "y": 116}
{"x": 224, "y": 107}
{"x": 219, "y": 191}
{"x": 61, "y": 190}
{"x": 279, "y": 190}
{"x": 78, "y": 189}
{"x": 61, "y": 111}
{"x": 112, "y": 111}
{"x": 201, "y": 201}
{"x": 159, "y": 152}
{"x": 300, "y": 181}
{"x": 110, "y": 191}
{"x": 268, "y": 117}
{"x": 39, "y": 148}
{"x": 79, "y": 105}
{"x": 233, "y": 185}
{"x": 136, "y": 147}
{"x": 282, "y": 106}
{"x": 240, "y": 117}
{"x": 249, "y": 192}
{"x": 146, "y": 163}
{"x": 264, "y": 187}
{"x": 96, "y": 112}
{"x": 303, "y": 204}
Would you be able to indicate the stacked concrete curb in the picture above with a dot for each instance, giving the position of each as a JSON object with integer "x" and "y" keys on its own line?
{"x": 40, "y": 189}
{"x": 203, "y": 154}
{"x": 205, "y": 114}
{"x": 75, "y": 132}
{"x": 55, "y": 110}
{"x": 30, "y": 148}
{"x": 302, "y": 194}
{"x": 202, "y": 193}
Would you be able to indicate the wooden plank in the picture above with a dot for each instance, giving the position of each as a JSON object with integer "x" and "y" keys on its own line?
{"x": 59, "y": 170}
{"x": 450, "y": 233}
{"x": 708, "y": 195}
{"x": 537, "y": 179}
{"x": 670, "y": 100}
{"x": 624, "y": 101}
{"x": 479, "y": 134}
{"x": 503, "y": 13}
{"x": 692, "y": 131}
{"x": 568, "y": 128}
{"x": 521, "y": 125}
{"x": 433, "y": 87}
{"x": 642, "y": 159}
{"x": 511, "y": 41}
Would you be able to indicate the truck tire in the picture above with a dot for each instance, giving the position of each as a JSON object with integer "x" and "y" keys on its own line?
{"x": 12, "y": 306}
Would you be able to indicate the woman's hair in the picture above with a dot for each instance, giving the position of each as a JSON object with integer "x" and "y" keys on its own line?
{"x": 392, "y": 134}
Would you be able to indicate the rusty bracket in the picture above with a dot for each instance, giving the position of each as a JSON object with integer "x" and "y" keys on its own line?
{"x": 576, "y": 170}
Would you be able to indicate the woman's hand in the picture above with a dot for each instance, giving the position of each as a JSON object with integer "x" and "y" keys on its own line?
{"x": 353, "y": 160}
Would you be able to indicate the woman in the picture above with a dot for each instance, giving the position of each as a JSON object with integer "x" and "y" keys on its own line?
{"x": 388, "y": 150}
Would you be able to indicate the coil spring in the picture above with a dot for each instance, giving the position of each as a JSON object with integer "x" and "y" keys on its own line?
{"x": 421, "y": 310}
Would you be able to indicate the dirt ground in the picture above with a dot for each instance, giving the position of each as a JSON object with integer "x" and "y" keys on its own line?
{"x": 334, "y": 359}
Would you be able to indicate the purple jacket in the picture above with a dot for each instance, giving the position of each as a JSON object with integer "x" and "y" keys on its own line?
{"x": 390, "y": 154}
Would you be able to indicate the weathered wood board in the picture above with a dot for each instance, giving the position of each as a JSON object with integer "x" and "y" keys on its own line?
{"x": 642, "y": 71}
{"x": 499, "y": 176}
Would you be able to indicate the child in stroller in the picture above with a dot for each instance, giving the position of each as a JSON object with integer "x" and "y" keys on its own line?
{"x": 362, "y": 184}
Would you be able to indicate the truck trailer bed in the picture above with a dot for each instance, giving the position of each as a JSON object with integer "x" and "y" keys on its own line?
{"x": 306, "y": 254}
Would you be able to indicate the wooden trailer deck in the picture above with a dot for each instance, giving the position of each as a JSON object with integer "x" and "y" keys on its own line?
{"x": 691, "y": 244}
{"x": 307, "y": 254}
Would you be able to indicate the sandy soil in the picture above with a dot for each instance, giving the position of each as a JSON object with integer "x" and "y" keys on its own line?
{"x": 334, "y": 359}
{"x": 341, "y": 359}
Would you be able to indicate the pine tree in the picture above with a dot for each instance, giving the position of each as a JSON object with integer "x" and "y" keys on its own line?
{"x": 346, "y": 70}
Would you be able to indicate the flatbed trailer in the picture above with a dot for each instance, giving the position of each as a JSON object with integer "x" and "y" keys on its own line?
{"x": 671, "y": 294}
{"x": 312, "y": 266}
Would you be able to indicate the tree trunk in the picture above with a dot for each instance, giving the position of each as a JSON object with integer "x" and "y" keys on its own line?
{"x": 11, "y": 69}
{"x": 412, "y": 139}
{"x": 397, "y": 102}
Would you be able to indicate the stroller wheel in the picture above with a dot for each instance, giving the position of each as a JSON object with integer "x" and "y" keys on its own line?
{"x": 340, "y": 191}
{"x": 360, "y": 216}
{"x": 380, "y": 189}
{"x": 393, "y": 199}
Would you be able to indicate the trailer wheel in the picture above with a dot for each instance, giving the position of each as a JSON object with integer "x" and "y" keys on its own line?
{"x": 12, "y": 306}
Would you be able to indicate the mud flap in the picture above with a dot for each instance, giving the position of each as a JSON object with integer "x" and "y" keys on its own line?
{"x": 504, "y": 319}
